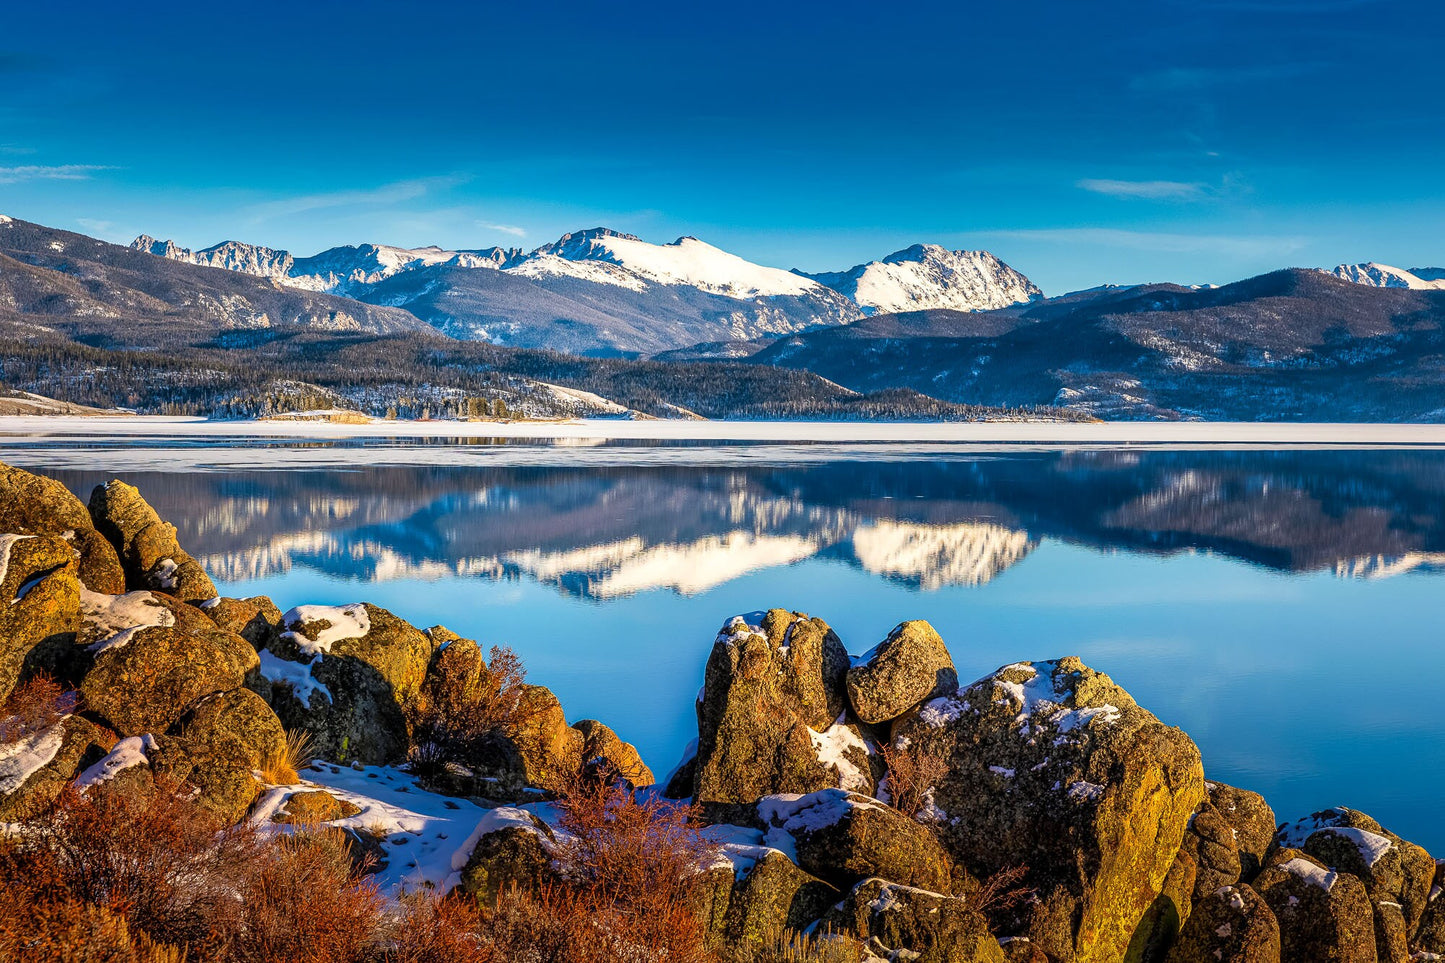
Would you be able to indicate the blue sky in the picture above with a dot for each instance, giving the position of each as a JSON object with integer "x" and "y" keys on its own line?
{"x": 1185, "y": 140}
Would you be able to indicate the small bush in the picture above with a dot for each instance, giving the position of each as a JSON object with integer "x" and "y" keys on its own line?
{"x": 34, "y": 706}
{"x": 464, "y": 719}
{"x": 913, "y": 771}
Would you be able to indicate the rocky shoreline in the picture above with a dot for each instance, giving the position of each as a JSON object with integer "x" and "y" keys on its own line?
{"x": 1037, "y": 814}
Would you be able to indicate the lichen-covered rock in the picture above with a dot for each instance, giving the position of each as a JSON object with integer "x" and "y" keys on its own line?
{"x": 37, "y": 761}
{"x": 513, "y": 848}
{"x": 458, "y": 673}
{"x": 1392, "y": 943}
{"x": 1429, "y": 936}
{"x": 254, "y": 619}
{"x": 147, "y": 546}
{"x": 345, "y": 674}
{"x": 549, "y": 751}
{"x": 214, "y": 768}
{"x": 1159, "y": 929}
{"x": 1250, "y": 820}
{"x": 39, "y": 606}
{"x": 314, "y": 807}
{"x": 242, "y": 714}
{"x": 1054, "y": 767}
{"x": 1324, "y": 916}
{"x": 772, "y": 690}
{"x": 601, "y": 746}
{"x": 744, "y": 907}
{"x": 1392, "y": 869}
{"x": 911, "y": 666}
{"x": 1230, "y": 925}
{"x": 143, "y": 681}
{"x": 842, "y": 837}
{"x": 904, "y": 922}
{"x": 36, "y": 505}
{"x": 110, "y": 619}
{"x": 1210, "y": 840}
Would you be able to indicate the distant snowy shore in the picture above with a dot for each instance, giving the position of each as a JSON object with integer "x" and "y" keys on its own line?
{"x": 1268, "y": 434}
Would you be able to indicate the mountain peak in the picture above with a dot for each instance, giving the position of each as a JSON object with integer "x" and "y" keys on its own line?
{"x": 1376, "y": 275}
{"x": 928, "y": 276}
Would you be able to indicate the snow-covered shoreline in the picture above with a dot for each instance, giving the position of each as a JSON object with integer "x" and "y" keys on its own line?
{"x": 1247, "y": 434}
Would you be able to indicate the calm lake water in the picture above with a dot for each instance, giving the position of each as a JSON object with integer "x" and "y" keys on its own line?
{"x": 1284, "y": 608}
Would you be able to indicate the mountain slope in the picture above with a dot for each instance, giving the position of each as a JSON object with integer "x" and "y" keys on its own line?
{"x": 926, "y": 276}
{"x": 1292, "y": 345}
{"x": 105, "y": 293}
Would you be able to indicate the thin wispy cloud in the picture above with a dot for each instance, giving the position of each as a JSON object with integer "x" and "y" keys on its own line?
{"x": 1177, "y": 79}
{"x": 387, "y": 194}
{"x": 511, "y": 229}
{"x": 95, "y": 226}
{"x": 61, "y": 172}
{"x": 1251, "y": 246}
{"x": 1147, "y": 190}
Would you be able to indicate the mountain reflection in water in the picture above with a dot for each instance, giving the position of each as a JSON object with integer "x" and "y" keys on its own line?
{"x": 1238, "y": 595}
{"x": 603, "y": 533}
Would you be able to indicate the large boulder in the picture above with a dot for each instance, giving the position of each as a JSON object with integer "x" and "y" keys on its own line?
{"x": 911, "y": 666}
{"x": 108, "y": 620}
{"x": 144, "y": 680}
{"x": 604, "y": 749}
{"x": 1159, "y": 928}
{"x": 906, "y": 923}
{"x": 1230, "y": 925}
{"x": 1251, "y": 822}
{"x": 254, "y": 619}
{"x": 36, "y": 761}
{"x": 1053, "y": 767}
{"x": 510, "y": 847}
{"x": 346, "y": 674}
{"x": 39, "y": 606}
{"x": 1429, "y": 935}
{"x": 215, "y": 768}
{"x": 842, "y": 837}
{"x": 1392, "y": 869}
{"x": 771, "y": 714}
{"x": 752, "y": 895}
{"x": 240, "y": 714}
{"x": 36, "y": 505}
{"x": 549, "y": 752}
{"x": 147, "y": 546}
{"x": 1324, "y": 916}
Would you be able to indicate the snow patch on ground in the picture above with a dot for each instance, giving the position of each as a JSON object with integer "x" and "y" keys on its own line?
{"x": 421, "y": 832}
{"x": 345, "y": 622}
{"x": 131, "y": 751}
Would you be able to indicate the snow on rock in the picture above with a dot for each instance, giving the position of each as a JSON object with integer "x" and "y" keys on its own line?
{"x": 296, "y": 675}
{"x": 7, "y": 542}
{"x": 1310, "y": 873}
{"x": 23, "y": 757}
{"x": 6, "y": 219}
{"x": 941, "y": 711}
{"x": 833, "y": 746}
{"x": 131, "y": 751}
{"x": 1372, "y": 846}
{"x": 345, "y": 622}
{"x": 926, "y": 276}
{"x": 421, "y": 832}
{"x": 932, "y": 556}
{"x": 739, "y": 847}
{"x": 1376, "y": 275}
{"x": 1040, "y": 699}
{"x": 114, "y": 620}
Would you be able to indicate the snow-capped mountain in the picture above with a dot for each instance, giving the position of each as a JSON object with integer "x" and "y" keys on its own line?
{"x": 1384, "y": 276}
{"x": 236, "y": 256}
{"x": 338, "y": 270}
{"x": 604, "y": 292}
{"x": 926, "y": 277}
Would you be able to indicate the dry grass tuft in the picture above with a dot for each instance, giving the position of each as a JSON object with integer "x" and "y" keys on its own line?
{"x": 283, "y": 766}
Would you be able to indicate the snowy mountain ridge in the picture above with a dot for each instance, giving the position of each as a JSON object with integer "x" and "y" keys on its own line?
{"x": 929, "y": 277}
{"x": 1376, "y": 275}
